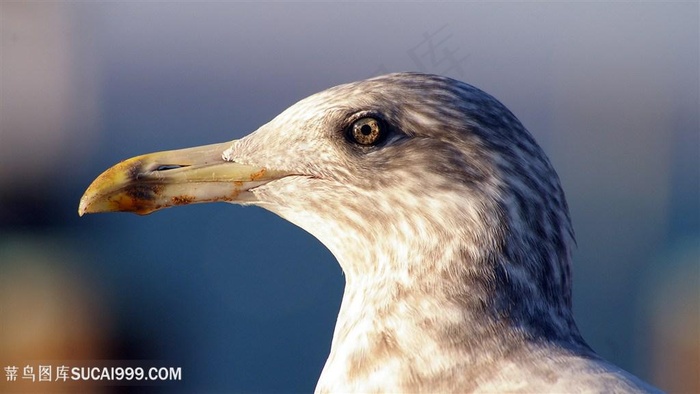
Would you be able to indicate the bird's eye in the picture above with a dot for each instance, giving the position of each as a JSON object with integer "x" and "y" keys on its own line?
{"x": 366, "y": 131}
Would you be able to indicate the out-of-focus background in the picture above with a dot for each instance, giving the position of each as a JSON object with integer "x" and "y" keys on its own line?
{"x": 242, "y": 300}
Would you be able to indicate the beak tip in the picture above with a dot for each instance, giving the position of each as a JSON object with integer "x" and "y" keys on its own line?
{"x": 83, "y": 207}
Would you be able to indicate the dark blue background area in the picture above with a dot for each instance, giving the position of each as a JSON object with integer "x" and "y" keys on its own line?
{"x": 187, "y": 291}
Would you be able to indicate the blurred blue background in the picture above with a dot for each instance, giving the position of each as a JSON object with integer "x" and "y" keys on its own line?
{"x": 246, "y": 302}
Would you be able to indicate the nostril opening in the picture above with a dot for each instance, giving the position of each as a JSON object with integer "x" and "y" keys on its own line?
{"x": 167, "y": 167}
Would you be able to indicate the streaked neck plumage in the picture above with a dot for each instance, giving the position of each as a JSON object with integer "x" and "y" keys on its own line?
{"x": 430, "y": 302}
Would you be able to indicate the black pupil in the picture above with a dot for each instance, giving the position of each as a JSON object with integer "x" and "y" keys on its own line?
{"x": 366, "y": 129}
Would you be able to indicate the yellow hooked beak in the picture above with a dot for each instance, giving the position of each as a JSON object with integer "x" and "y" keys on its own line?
{"x": 154, "y": 181}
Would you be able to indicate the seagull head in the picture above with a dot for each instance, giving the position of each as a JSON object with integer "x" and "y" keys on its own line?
{"x": 413, "y": 181}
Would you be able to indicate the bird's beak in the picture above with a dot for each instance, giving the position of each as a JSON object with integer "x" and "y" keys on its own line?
{"x": 154, "y": 181}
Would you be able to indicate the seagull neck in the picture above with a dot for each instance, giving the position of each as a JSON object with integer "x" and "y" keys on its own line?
{"x": 428, "y": 307}
{"x": 389, "y": 327}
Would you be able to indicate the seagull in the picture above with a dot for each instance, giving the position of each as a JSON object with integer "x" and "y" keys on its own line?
{"x": 447, "y": 218}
